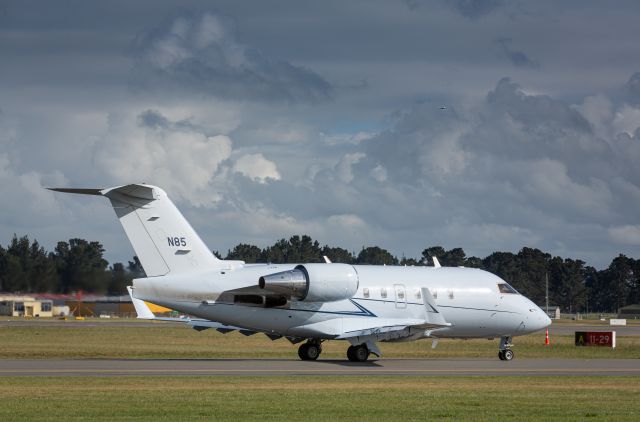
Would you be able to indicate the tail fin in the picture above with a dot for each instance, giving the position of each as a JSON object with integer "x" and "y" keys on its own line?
{"x": 161, "y": 237}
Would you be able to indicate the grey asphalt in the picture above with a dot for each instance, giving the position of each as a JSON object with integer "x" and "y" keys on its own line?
{"x": 276, "y": 367}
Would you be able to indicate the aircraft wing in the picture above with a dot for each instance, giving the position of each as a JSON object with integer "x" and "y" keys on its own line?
{"x": 359, "y": 328}
{"x": 144, "y": 312}
{"x": 345, "y": 328}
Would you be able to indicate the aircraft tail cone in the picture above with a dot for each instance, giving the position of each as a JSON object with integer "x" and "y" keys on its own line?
{"x": 546, "y": 337}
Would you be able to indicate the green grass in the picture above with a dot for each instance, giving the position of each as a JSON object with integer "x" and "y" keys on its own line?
{"x": 319, "y": 398}
{"x": 74, "y": 339}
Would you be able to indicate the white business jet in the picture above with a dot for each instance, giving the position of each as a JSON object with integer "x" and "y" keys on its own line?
{"x": 310, "y": 302}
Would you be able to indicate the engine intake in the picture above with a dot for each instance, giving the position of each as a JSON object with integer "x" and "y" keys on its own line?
{"x": 314, "y": 282}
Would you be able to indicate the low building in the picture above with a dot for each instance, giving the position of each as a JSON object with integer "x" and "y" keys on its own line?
{"x": 86, "y": 305}
{"x": 114, "y": 306}
{"x": 61, "y": 311}
{"x": 553, "y": 312}
{"x": 630, "y": 312}
{"x": 28, "y": 306}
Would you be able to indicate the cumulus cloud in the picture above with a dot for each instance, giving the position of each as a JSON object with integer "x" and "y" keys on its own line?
{"x": 253, "y": 143}
{"x": 24, "y": 196}
{"x": 200, "y": 54}
{"x": 515, "y": 165}
{"x": 149, "y": 148}
{"x": 257, "y": 168}
{"x": 343, "y": 168}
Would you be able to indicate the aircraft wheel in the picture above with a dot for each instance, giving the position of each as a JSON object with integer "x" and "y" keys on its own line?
{"x": 309, "y": 351}
{"x": 501, "y": 354}
{"x": 302, "y": 351}
{"x": 350, "y": 354}
{"x": 358, "y": 353}
{"x": 508, "y": 354}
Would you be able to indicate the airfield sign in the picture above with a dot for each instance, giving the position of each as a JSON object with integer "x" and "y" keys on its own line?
{"x": 596, "y": 338}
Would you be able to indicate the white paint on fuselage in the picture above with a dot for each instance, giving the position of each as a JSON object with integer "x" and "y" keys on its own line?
{"x": 468, "y": 298}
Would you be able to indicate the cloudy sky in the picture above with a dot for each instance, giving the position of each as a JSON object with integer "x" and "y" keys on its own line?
{"x": 488, "y": 125}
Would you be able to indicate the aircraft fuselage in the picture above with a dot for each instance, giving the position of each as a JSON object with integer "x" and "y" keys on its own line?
{"x": 469, "y": 299}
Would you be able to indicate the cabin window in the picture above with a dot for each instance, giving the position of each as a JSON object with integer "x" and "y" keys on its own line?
{"x": 505, "y": 288}
{"x": 383, "y": 293}
{"x": 450, "y": 293}
{"x": 400, "y": 293}
{"x": 365, "y": 292}
{"x": 418, "y": 294}
{"x": 434, "y": 293}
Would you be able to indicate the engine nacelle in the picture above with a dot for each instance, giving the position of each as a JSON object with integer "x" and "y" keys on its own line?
{"x": 314, "y": 282}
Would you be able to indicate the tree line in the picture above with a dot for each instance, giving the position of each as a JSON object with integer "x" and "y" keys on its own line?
{"x": 78, "y": 265}
{"x": 73, "y": 266}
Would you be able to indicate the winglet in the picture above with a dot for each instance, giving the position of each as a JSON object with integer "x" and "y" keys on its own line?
{"x": 326, "y": 259}
{"x": 432, "y": 312}
{"x": 142, "y": 309}
{"x": 436, "y": 263}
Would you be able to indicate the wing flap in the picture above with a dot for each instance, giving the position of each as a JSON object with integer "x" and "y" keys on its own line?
{"x": 358, "y": 327}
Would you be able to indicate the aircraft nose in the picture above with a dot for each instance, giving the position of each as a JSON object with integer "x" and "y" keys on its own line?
{"x": 535, "y": 318}
{"x": 538, "y": 319}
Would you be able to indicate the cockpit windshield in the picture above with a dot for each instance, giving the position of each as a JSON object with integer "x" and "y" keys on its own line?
{"x": 505, "y": 288}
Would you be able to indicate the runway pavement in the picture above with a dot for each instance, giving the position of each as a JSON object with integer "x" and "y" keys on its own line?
{"x": 276, "y": 367}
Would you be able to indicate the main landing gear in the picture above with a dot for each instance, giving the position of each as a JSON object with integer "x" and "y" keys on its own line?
{"x": 359, "y": 353}
{"x": 310, "y": 350}
{"x": 504, "y": 351}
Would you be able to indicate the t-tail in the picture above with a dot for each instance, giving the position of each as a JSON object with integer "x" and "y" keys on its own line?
{"x": 161, "y": 237}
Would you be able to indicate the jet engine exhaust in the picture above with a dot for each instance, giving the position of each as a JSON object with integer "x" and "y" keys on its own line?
{"x": 292, "y": 283}
{"x": 313, "y": 282}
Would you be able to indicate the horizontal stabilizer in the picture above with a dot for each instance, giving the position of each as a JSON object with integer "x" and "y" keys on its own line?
{"x": 161, "y": 237}
{"x": 97, "y": 192}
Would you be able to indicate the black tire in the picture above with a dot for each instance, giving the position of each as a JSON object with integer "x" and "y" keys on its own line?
{"x": 508, "y": 355}
{"x": 350, "y": 355}
{"x": 309, "y": 351}
{"x": 501, "y": 354}
{"x": 302, "y": 351}
{"x": 313, "y": 351}
{"x": 358, "y": 353}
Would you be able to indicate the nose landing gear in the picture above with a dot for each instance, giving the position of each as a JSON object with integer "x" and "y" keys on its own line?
{"x": 504, "y": 351}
